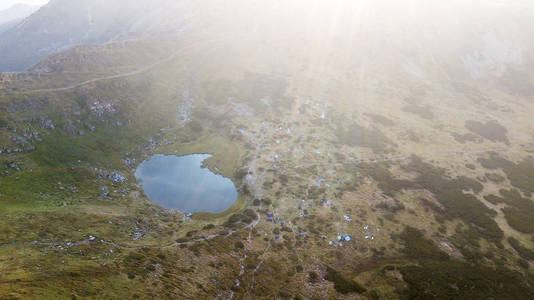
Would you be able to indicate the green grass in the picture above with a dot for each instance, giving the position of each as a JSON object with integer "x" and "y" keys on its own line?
{"x": 226, "y": 154}
{"x": 39, "y": 189}
{"x": 105, "y": 147}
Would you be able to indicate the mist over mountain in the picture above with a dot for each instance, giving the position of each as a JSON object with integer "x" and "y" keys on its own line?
{"x": 62, "y": 24}
{"x": 7, "y": 25}
{"x": 65, "y": 23}
{"x": 15, "y": 14}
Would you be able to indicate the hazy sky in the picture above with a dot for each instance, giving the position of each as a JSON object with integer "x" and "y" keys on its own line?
{"x": 7, "y": 3}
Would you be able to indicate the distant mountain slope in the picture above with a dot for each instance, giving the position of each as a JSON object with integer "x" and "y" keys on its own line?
{"x": 62, "y": 24}
{"x": 58, "y": 26}
{"x": 6, "y": 26}
{"x": 16, "y": 12}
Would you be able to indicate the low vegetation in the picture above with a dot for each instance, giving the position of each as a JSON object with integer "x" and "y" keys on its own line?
{"x": 342, "y": 284}
{"x": 436, "y": 276}
{"x": 521, "y": 174}
{"x": 379, "y": 119}
{"x": 424, "y": 112}
{"x": 356, "y": 135}
{"x": 490, "y": 130}
{"x": 519, "y": 211}
{"x": 523, "y": 251}
{"x": 465, "y": 138}
{"x": 451, "y": 194}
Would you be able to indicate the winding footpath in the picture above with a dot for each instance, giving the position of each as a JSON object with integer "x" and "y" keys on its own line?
{"x": 122, "y": 75}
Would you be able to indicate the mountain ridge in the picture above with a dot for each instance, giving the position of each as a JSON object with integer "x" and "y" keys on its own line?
{"x": 10, "y": 16}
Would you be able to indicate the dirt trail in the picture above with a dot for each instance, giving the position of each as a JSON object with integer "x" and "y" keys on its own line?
{"x": 122, "y": 75}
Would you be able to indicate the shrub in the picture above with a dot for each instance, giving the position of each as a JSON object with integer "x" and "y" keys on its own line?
{"x": 380, "y": 119}
{"x": 342, "y": 284}
{"x": 520, "y": 211}
{"x": 422, "y": 111}
{"x": 357, "y": 135}
{"x": 208, "y": 227}
{"x": 240, "y": 173}
{"x": 313, "y": 277}
{"x": 468, "y": 137}
{"x": 418, "y": 247}
{"x": 521, "y": 250}
{"x": 523, "y": 264}
{"x": 460, "y": 280}
{"x": 521, "y": 175}
{"x": 495, "y": 177}
{"x": 195, "y": 126}
{"x": 470, "y": 166}
{"x": 239, "y": 245}
{"x": 491, "y": 130}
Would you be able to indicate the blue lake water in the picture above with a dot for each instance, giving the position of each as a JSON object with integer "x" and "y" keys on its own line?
{"x": 179, "y": 182}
